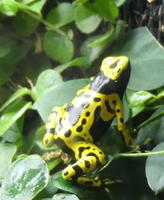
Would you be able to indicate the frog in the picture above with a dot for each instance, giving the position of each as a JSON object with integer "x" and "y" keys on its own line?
{"x": 77, "y": 127}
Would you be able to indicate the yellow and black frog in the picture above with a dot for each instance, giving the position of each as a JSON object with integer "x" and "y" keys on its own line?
{"x": 77, "y": 126}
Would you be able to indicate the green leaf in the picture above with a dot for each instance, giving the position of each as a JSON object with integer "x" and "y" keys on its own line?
{"x": 91, "y": 54}
{"x": 34, "y": 6}
{"x": 46, "y": 80}
{"x": 57, "y": 47}
{"x": 103, "y": 39}
{"x": 86, "y": 20}
{"x": 28, "y": 23}
{"x": 61, "y": 15}
{"x": 61, "y": 196}
{"x": 12, "y": 114}
{"x": 73, "y": 63}
{"x": 57, "y": 96}
{"x": 64, "y": 185}
{"x": 25, "y": 179}
{"x": 8, "y": 7}
{"x": 146, "y": 56}
{"x": 154, "y": 170}
{"x": 152, "y": 128}
{"x": 14, "y": 133}
{"x": 7, "y": 152}
{"x": 140, "y": 97}
{"x": 107, "y": 9}
{"x": 19, "y": 93}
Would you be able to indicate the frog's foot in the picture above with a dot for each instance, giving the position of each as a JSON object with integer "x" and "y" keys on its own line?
{"x": 95, "y": 182}
{"x": 90, "y": 182}
{"x": 147, "y": 145}
{"x": 108, "y": 181}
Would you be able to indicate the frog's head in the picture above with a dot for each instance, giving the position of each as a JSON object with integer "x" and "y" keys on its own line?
{"x": 48, "y": 139}
{"x": 113, "y": 67}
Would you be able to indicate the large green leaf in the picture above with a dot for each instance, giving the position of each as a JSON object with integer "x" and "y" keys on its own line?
{"x": 154, "y": 170}
{"x": 25, "y": 179}
{"x": 57, "y": 96}
{"x": 61, "y": 15}
{"x": 7, "y": 152}
{"x": 86, "y": 20}
{"x": 57, "y": 47}
{"x": 12, "y": 114}
{"x": 147, "y": 58}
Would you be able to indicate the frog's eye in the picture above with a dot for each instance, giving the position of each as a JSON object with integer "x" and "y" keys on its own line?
{"x": 48, "y": 139}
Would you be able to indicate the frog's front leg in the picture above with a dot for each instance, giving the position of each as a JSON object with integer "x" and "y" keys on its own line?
{"x": 89, "y": 157}
{"x": 118, "y": 108}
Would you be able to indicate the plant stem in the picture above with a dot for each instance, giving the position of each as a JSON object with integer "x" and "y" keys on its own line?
{"x": 155, "y": 153}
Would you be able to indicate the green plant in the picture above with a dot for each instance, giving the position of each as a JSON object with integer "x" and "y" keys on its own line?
{"x": 40, "y": 43}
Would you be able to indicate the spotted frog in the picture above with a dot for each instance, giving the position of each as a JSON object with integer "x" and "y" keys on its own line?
{"x": 77, "y": 126}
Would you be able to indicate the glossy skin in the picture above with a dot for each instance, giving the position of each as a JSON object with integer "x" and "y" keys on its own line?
{"x": 76, "y": 127}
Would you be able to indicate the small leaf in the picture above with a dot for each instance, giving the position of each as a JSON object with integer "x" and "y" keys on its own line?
{"x": 35, "y": 6}
{"x": 154, "y": 170}
{"x": 19, "y": 93}
{"x": 103, "y": 39}
{"x": 46, "y": 80}
{"x": 57, "y": 96}
{"x": 107, "y": 9}
{"x": 61, "y": 15}
{"x": 28, "y": 23}
{"x": 12, "y": 114}
{"x": 57, "y": 47}
{"x": 7, "y": 152}
{"x": 86, "y": 20}
{"x": 73, "y": 63}
{"x": 8, "y": 7}
{"x": 25, "y": 179}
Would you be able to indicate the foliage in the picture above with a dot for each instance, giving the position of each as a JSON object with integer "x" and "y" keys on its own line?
{"x": 41, "y": 43}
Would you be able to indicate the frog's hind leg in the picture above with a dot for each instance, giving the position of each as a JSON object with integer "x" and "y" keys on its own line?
{"x": 89, "y": 157}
